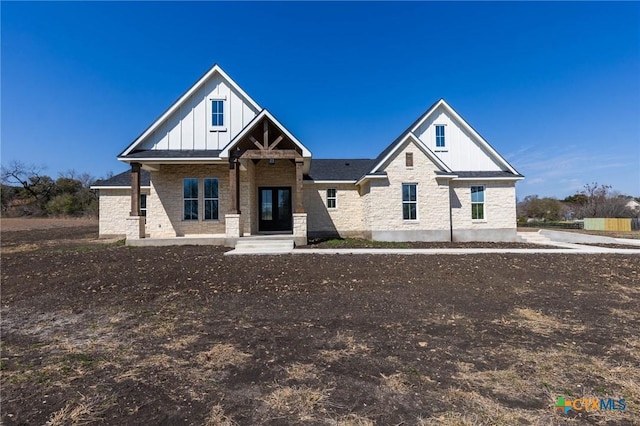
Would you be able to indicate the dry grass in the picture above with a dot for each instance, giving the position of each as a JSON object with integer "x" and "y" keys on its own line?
{"x": 537, "y": 322}
{"x": 22, "y": 248}
{"x": 222, "y": 355}
{"x": 182, "y": 342}
{"x": 301, "y": 401}
{"x": 217, "y": 417}
{"x": 353, "y": 420}
{"x": 301, "y": 372}
{"x": 84, "y": 411}
{"x": 396, "y": 383}
{"x": 343, "y": 345}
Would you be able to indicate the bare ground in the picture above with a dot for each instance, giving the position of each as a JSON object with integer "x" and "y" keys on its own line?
{"x": 99, "y": 333}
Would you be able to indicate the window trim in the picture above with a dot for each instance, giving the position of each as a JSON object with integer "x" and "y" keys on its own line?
{"x": 223, "y": 99}
{"x": 484, "y": 202}
{"x": 333, "y": 198}
{"x": 205, "y": 199}
{"x": 197, "y": 199}
{"x": 415, "y": 184}
{"x": 443, "y": 136}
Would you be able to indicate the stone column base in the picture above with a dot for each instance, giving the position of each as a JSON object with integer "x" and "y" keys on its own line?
{"x": 233, "y": 229}
{"x": 135, "y": 227}
{"x": 300, "y": 229}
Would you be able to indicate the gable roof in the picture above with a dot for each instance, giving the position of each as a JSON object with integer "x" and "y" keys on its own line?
{"x": 249, "y": 127}
{"x": 339, "y": 169}
{"x": 181, "y": 100}
{"x": 395, "y": 145}
{"x": 386, "y": 153}
{"x": 123, "y": 180}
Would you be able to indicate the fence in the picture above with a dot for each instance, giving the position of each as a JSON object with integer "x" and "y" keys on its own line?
{"x": 607, "y": 224}
{"x": 547, "y": 224}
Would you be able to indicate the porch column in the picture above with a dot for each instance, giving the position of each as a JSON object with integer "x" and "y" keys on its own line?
{"x": 299, "y": 194}
{"x": 233, "y": 185}
{"x": 135, "y": 189}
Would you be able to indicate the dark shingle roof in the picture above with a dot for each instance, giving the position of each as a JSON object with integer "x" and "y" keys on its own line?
{"x": 339, "y": 169}
{"x": 175, "y": 153}
{"x": 480, "y": 175}
{"x": 124, "y": 179}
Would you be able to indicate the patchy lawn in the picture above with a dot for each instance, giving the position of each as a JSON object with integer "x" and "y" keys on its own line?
{"x": 185, "y": 335}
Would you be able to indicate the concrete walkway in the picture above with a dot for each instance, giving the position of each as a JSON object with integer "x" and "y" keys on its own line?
{"x": 554, "y": 238}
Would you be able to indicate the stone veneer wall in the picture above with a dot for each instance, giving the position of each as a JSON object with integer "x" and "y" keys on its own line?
{"x": 346, "y": 220}
{"x": 384, "y": 201}
{"x": 165, "y": 203}
{"x": 115, "y": 206}
{"x": 499, "y": 223}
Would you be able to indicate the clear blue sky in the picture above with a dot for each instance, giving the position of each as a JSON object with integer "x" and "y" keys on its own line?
{"x": 554, "y": 87}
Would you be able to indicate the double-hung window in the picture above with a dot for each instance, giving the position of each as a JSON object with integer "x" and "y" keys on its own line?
{"x": 439, "y": 136}
{"x": 217, "y": 117}
{"x": 332, "y": 198}
{"x": 409, "y": 201}
{"x": 190, "y": 199}
{"x": 211, "y": 199}
{"x": 477, "y": 202}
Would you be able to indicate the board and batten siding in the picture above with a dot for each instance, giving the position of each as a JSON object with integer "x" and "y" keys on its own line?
{"x": 189, "y": 127}
{"x": 461, "y": 151}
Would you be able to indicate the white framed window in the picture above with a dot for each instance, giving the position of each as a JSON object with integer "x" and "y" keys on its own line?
{"x": 477, "y": 202}
{"x": 217, "y": 113}
{"x": 332, "y": 198}
{"x": 211, "y": 199}
{"x": 190, "y": 199}
{"x": 440, "y": 136}
{"x": 410, "y": 201}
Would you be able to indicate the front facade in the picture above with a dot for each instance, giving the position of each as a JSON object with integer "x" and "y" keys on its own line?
{"x": 217, "y": 166}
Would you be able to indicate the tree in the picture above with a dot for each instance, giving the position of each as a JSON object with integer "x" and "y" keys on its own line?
{"x": 35, "y": 186}
{"x": 600, "y": 201}
{"x": 541, "y": 208}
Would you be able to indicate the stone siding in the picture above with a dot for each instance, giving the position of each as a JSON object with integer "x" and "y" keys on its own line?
{"x": 115, "y": 206}
{"x": 384, "y": 200}
{"x": 499, "y": 223}
{"x": 345, "y": 220}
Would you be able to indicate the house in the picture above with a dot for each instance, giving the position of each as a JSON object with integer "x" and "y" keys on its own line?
{"x": 216, "y": 166}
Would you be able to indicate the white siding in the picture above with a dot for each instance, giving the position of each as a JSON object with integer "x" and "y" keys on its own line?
{"x": 461, "y": 152}
{"x": 188, "y": 128}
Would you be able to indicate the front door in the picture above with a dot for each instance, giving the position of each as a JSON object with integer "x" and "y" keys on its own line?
{"x": 274, "y": 211}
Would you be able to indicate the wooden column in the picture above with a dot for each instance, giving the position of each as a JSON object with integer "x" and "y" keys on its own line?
{"x": 237, "y": 177}
{"x": 233, "y": 191}
{"x": 135, "y": 189}
{"x": 299, "y": 194}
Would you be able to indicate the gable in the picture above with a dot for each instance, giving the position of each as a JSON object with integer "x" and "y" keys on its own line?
{"x": 462, "y": 150}
{"x": 186, "y": 125}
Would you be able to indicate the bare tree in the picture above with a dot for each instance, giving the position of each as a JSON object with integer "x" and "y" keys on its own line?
{"x": 34, "y": 184}
{"x": 602, "y": 201}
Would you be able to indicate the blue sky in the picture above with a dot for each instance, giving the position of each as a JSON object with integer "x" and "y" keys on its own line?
{"x": 554, "y": 87}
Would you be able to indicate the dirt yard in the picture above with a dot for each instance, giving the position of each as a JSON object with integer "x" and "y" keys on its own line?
{"x": 96, "y": 332}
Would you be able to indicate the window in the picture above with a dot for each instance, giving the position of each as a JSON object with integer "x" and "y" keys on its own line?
{"x": 409, "y": 159}
{"x": 190, "y": 196}
{"x": 217, "y": 112}
{"x": 211, "y": 199}
{"x": 439, "y": 136}
{"x": 477, "y": 202}
{"x": 143, "y": 204}
{"x": 332, "y": 198}
{"x": 409, "y": 201}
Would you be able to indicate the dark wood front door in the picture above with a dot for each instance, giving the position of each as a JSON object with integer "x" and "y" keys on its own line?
{"x": 274, "y": 209}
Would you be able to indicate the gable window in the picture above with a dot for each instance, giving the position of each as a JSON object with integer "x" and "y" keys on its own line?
{"x": 409, "y": 159}
{"x": 439, "y": 136}
{"x": 217, "y": 113}
{"x": 211, "y": 199}
{"x": 332, "y": 198}
{"x": 409, "y": 201}
{"x": 143, "y": 204}
{"x": 190, "y": 199}
{"x": 477, "y": 202}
